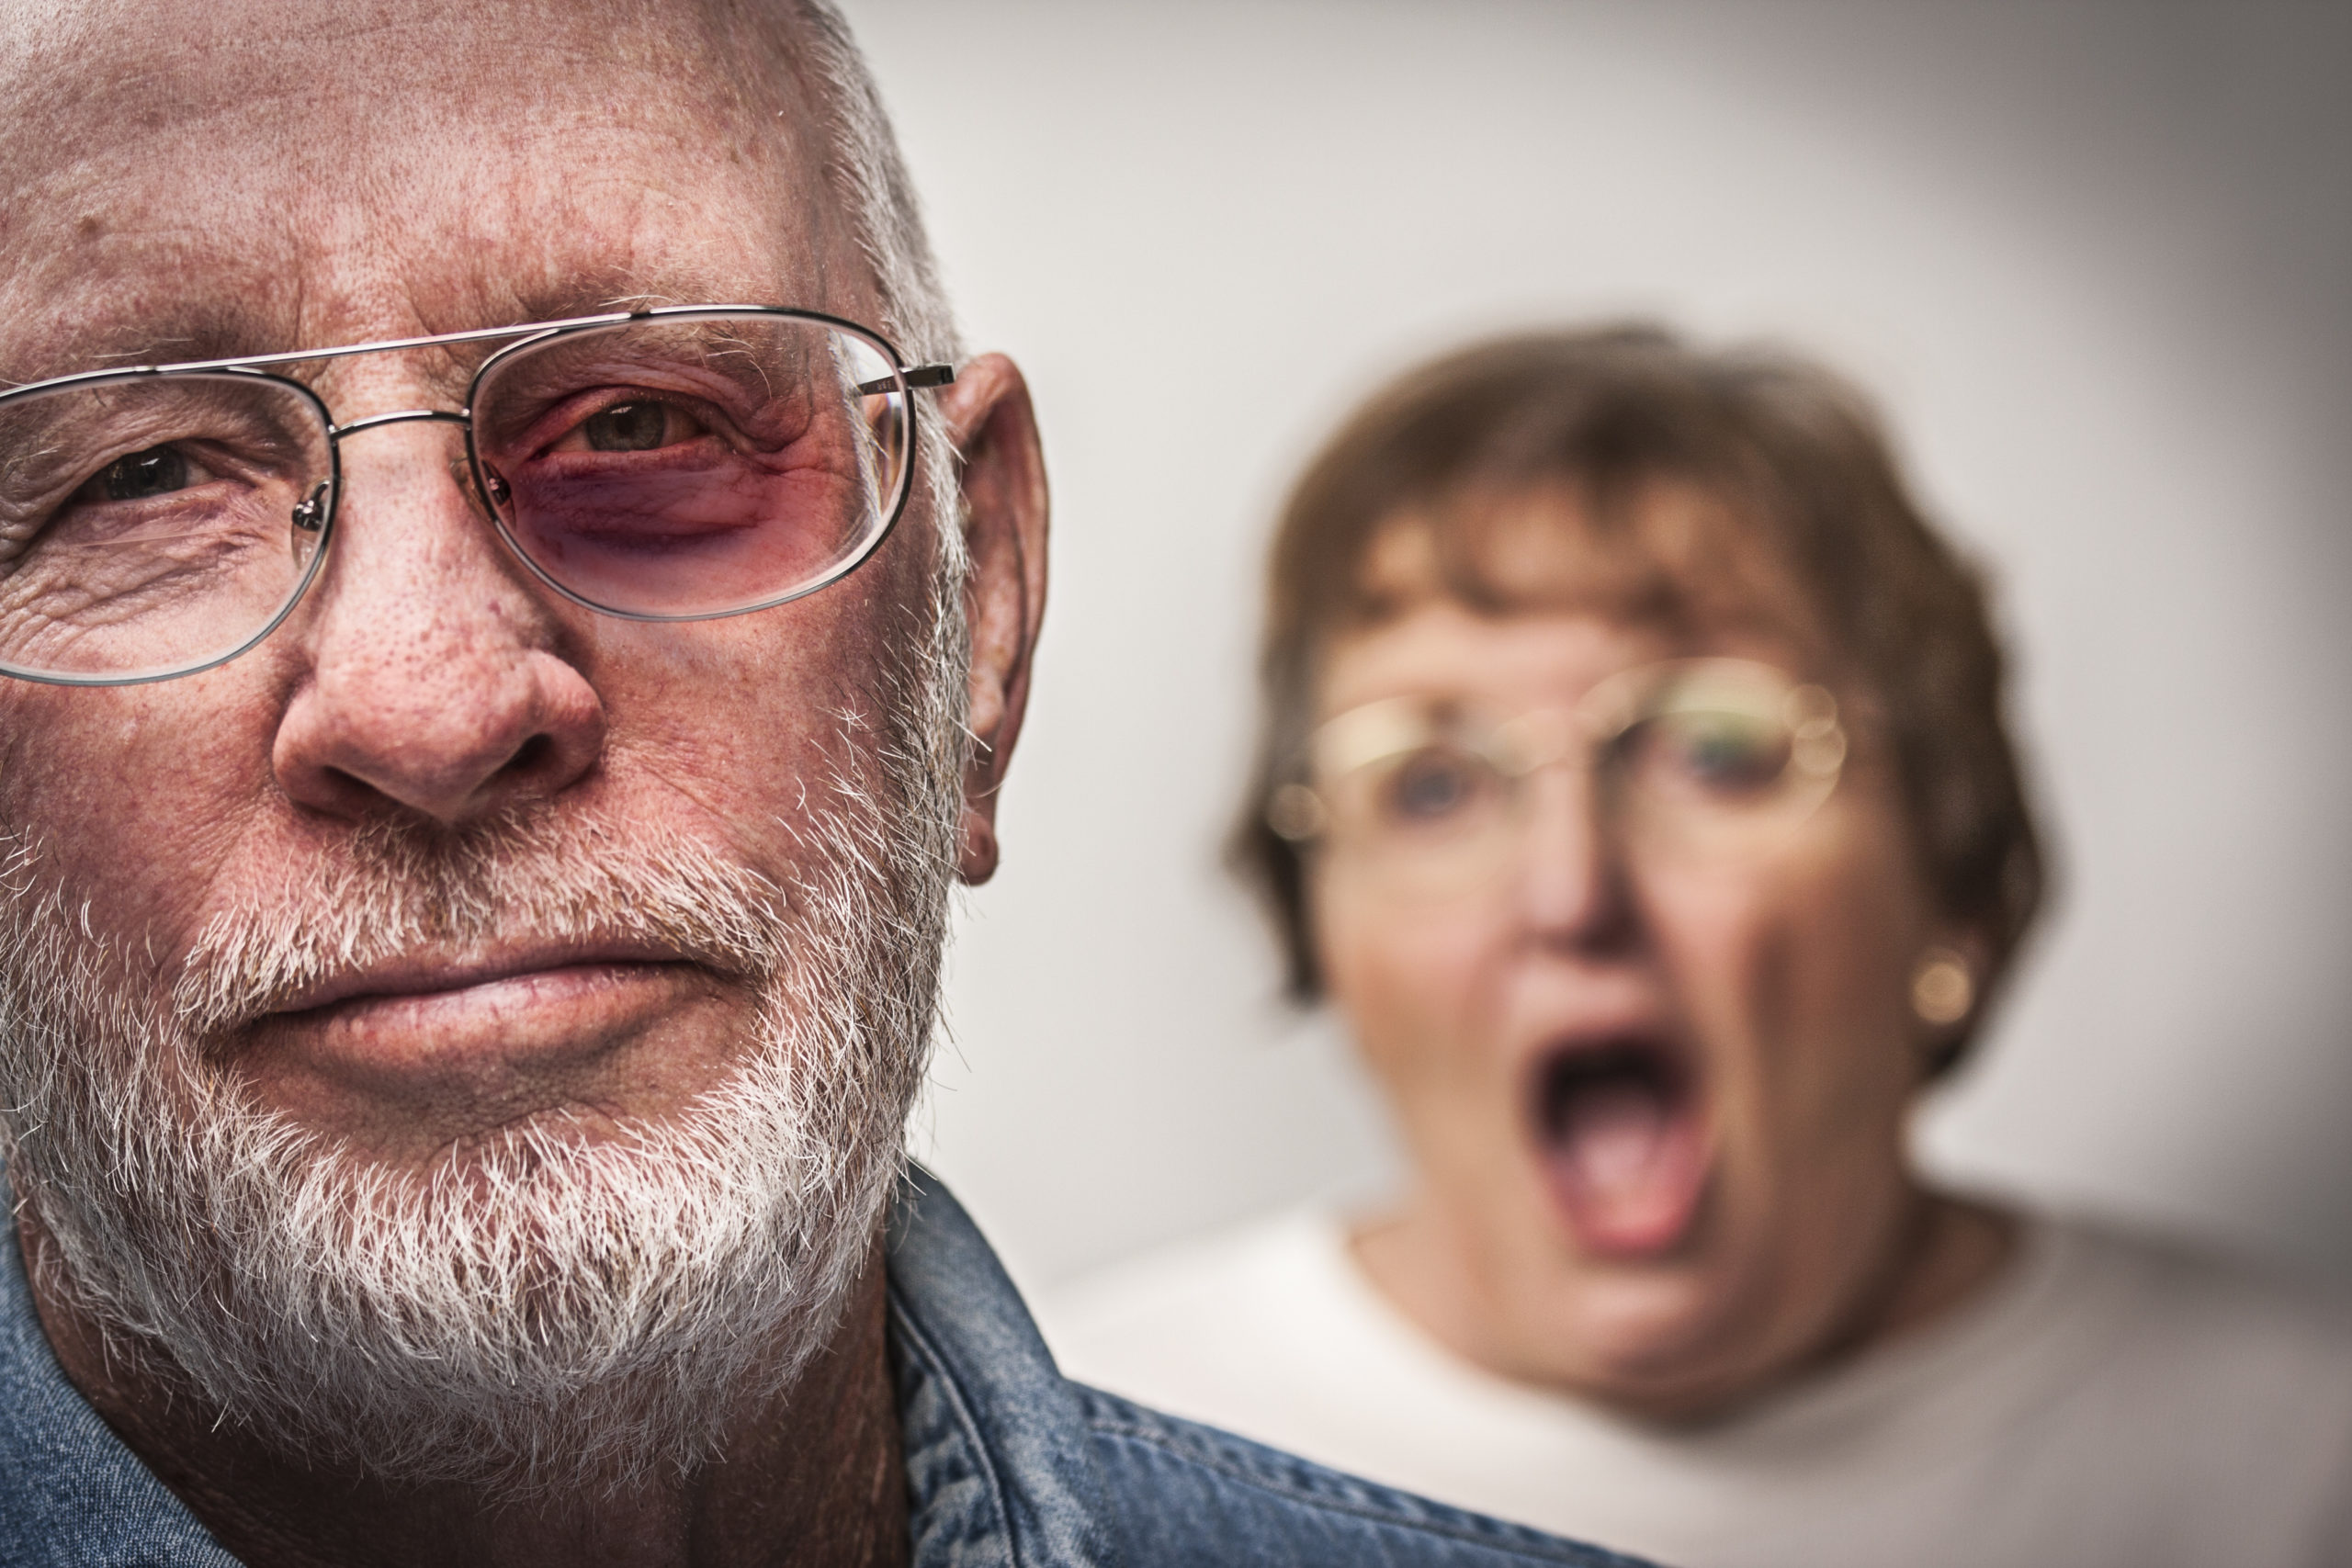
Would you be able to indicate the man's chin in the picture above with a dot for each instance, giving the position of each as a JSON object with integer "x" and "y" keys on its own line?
{"x": 542, "y": 1311}
{"x": 443, "y": 1119}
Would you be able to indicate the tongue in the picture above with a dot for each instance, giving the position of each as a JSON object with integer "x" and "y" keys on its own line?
{"x": 1626, "y": 1164}
{"x": 1615, "y": 1134}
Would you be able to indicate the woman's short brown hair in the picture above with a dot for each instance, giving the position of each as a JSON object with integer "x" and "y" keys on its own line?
{"x": 1803, "y": 486}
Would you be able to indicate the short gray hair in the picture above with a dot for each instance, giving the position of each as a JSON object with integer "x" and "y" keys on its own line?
{"x": 870, "y": 180}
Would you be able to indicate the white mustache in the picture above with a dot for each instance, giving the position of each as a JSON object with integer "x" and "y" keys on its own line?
{"x": 400, "y": 892}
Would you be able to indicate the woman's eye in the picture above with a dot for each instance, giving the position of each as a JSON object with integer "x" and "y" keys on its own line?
{"x": 640, "y": 426}
{"x": 1432, "y": 786}
{"x": 142, "y": 475}
{"x": 1727, "y": 756}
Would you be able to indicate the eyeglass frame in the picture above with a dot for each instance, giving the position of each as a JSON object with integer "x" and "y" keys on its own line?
{"x": 905, "y": 379}
{"x": 1297, "y": 812}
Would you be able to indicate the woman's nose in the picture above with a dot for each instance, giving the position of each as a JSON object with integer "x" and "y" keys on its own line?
{"x": 437, "y": 680}
{"x": 1571, "y": 875}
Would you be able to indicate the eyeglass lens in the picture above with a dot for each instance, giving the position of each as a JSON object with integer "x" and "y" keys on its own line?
{"x": 155, "y": 524}
{"x": 680, "y": 467}
{"x": 1713, "y": 759}
{"x": 691, "y": 468}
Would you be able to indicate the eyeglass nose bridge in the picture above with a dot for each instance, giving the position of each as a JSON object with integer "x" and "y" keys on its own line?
{"x": 1540, "y": 738}
{"x": 462, "y": 418}
{"x": 1565, "y": 746}
{"x": 402, "y": 416}
{"x": 1576, "y": 747}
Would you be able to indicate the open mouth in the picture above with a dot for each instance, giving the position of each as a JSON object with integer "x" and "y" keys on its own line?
{"x": 1622, "y": 1141}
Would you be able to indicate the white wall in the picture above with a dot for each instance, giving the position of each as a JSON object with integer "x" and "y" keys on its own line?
{"x": 2096, "y": 259}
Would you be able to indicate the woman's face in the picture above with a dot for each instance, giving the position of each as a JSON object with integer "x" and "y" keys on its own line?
{"x": 1656, "y": 1096}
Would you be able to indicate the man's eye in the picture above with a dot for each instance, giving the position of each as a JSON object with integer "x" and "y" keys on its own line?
{"x": 640, "y": 426}
{"x": 142, "y": 475}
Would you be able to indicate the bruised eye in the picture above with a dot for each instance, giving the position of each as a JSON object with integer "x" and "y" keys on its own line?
{"x": 158, "y": 470}
{"x": 640, "y": 426}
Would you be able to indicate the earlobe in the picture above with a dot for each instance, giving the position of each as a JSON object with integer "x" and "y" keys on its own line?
{"x": 1947, "y": 987}
{"x": 1001, "y": 474}
{"x": 1943, "y": 988}
{"x": 976, "y": 853}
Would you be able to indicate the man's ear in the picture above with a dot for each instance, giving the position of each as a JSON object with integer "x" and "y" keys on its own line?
{"x": 1001, "y": 470}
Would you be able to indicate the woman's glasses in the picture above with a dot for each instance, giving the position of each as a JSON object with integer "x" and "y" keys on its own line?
{"x": 673, "y": 464}
{"x": 1720, "y": 756}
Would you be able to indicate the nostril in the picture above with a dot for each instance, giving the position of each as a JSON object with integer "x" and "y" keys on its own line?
{"x": 529, "y": 756}
{"x": 343, "y": 784}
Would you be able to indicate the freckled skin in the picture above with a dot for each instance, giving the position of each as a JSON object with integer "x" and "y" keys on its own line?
{"x": 244, "y": 175}
{"x": 1787, "y": 975}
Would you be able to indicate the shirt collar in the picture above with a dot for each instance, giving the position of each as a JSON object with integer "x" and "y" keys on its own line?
{"x": 70, "y": 1492}
{"x": 999, "y": 1474}
{"x": 998, "y": 1464}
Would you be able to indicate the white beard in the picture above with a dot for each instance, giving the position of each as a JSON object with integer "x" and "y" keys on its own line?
{"x": 541, "y": 1313}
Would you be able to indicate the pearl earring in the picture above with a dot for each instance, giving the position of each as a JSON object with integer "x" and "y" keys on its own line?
{"x": 1943, "y": 992}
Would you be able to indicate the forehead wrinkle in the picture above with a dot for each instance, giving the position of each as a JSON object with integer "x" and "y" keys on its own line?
{"x": 212, "y": 328}
{"x": 626, "y": 199}
{"x": 400, "y": 51}
{"x": 720, "y": 231}
{"x": 314, "y": 83}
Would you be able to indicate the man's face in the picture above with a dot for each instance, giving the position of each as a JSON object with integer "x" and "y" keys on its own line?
{"x": 448, "y": 868}
{"x": 218, "y": 186}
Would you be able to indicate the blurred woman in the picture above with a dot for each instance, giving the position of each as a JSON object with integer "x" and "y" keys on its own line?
{"x": 1633, "y": 781}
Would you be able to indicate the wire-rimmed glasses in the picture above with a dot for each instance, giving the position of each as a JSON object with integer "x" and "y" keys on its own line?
{"x": 1720, "y": 756}
{"x": 675, "y": 464}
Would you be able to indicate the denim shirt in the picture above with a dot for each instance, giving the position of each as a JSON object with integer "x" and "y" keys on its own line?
{"x": 1009, "y": 1464}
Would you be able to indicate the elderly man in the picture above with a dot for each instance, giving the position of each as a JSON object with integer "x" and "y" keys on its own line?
{"x": 513, "y": 613}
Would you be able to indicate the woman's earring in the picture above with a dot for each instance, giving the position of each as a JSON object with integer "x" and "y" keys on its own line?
{"x": 1943, "y": 992}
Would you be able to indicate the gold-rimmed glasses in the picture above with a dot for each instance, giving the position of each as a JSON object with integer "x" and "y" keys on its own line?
{"x": 673, "y": 464}
{"x": 1720, "y": 757}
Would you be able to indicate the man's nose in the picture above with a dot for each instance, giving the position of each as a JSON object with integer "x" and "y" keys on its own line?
{"x": 435, "y": 679}
{"x": 1572, "y": 879}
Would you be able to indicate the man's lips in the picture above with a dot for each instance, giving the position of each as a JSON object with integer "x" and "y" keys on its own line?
{"x": 423, "y": 977}
{"x": 485, "y": 1035}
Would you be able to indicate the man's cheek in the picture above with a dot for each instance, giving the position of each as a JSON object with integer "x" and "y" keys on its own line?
{"x": 747, "y": 714}
{"x": 129, "y": 806}
{"x": 738, "y": 785}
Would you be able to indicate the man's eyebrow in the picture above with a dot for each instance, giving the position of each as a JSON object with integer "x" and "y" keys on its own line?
{"x": 562, "y": 302}
{"x": 166, "y": 339}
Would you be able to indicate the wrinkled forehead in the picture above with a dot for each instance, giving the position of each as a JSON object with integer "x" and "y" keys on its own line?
{"x": 191, "y": 178}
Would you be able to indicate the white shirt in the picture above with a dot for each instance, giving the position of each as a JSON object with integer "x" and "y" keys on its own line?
{"x": 2102, "y": 1403}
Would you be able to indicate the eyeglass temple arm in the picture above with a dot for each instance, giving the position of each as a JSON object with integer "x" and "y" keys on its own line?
{"x": 919, "y": 377}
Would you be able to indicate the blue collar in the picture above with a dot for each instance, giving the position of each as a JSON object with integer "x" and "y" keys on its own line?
{"x": 998, "y": 1465}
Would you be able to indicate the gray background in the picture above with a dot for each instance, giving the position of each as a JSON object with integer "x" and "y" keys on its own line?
{"x": 2095, "y": 259}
